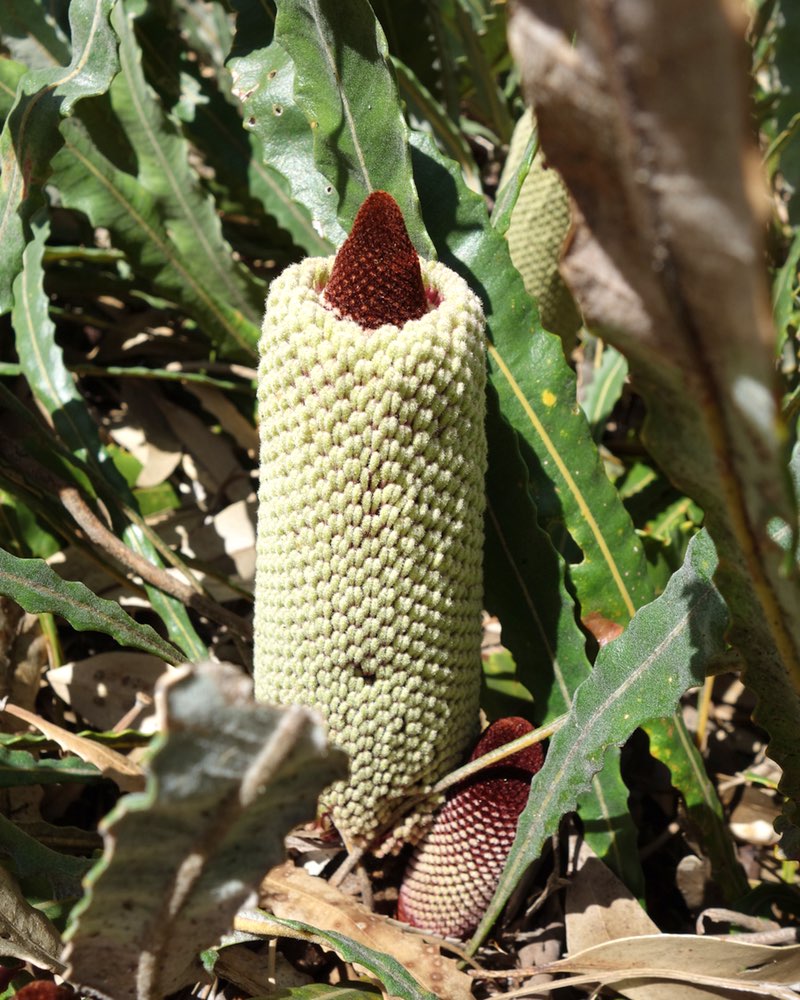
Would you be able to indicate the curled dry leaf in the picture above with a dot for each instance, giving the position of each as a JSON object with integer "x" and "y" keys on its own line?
{"x": 687, "y": 967}
{"x": 666, "y": 263}
{"x": 113, "y": 765}
{"x": 292, "y": 894}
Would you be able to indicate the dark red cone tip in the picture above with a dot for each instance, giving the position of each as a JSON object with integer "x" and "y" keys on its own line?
{"x": 376, "y": 277}
{"x": 506, "y": 783}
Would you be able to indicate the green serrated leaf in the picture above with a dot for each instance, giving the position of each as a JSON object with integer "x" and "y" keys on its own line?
{"x": 18, "y": 768}
{"x": 227, "y": 781}
{"x": 163, "y": 169}
{"x": 263, "y": 81}
{"x": 536, "y": 389}
{"x": 37, "y": 588}
{"x": 525, "y": 587}
{"x": 637, "y": 677}
{"x": 51, "y": 382}
{"x": 349, "y": 97}
{"x": 41, "y": 871}
{"x": 31, "y": 136}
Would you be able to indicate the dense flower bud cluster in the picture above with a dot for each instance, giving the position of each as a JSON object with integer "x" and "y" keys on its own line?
{"x": 536, "y": 236}
{"x": 369, "y": 552}
{"x": 454, "y": 872}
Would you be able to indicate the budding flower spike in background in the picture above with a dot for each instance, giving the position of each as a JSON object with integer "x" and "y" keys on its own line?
{"x": 371, "y": 499}
{"x": 454, "y": 872}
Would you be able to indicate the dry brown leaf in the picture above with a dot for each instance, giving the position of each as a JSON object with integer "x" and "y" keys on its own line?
{"x": 688, "y": 967}
{"x": 113, "y": 765}
{"x": 753, "y": 816}
{"x": 25, "y": 932}
{"x": 211, "y": 457}
{"x": 230, "y": 417}
{"x": 103, "y": 689}
{"x": 224, "y": 544}
{"x": 599, "y": 908}
{"x": 643, "y": 109}
{"x": 23, "y": 654}
{"x": 294, "y": 895}
{"x": 143, "y": 433}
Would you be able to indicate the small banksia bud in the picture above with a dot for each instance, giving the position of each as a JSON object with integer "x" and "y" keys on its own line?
{"x": 454, "y": 871}
{"x": 371, "y": 497}
{"x": 539, "y": 226}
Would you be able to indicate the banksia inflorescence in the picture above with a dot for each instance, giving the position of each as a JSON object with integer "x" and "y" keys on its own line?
{"x": 371, "y": 497}
{"x": 536, "y": 235}
{"x": 455, "y": 870}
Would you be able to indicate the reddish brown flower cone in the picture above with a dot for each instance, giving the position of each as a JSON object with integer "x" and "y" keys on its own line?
{"x": 376, "y": 277}
{"x": 454, "y": 872}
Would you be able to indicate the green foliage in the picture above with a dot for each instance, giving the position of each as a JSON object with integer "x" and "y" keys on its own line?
{"x": 160, "y": 163}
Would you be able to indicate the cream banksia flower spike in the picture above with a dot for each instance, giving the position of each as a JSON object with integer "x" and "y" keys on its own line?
{"x": 540, "y": 224}
{"x": 371, "y": 499}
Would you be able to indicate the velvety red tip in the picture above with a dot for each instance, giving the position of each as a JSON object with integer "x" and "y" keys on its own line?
{"x": 376, "y": 277}
{"x": 454, "y": 872}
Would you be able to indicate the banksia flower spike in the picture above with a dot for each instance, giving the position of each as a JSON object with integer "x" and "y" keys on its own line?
{"x": 454, "y": 871}
{"x": 536, "y": 235}
{"x": 370, "y": 525}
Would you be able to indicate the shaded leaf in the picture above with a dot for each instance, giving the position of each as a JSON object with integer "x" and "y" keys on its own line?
{"x": 672, "y": 744}
{"x": 17, "y": 767}
{"x": 11, "y": 73}
{"x": 31, "y": 137}
{"x": 227, "y": 780}
{"x": 397, "y": 980}
{"x": 525, "y": 587}
{"x": 424, "y": 111}
{"x": 31, "y": 36}
{"x": 40, "y": 870}
{"x": 602, "y": 393}
{"x": 185, "y": 210}
{"x": 639, "y": 676}
{"x": 211, "y": 118}
{"x": 110, "y": 197}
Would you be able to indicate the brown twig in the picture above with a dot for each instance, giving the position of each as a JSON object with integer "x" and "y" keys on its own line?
{"x": 97, "y": 533}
